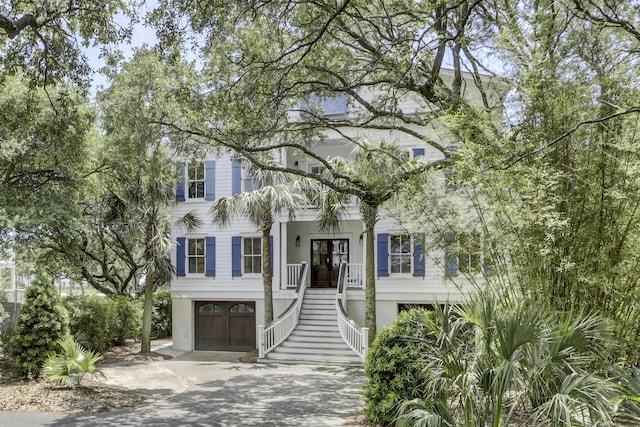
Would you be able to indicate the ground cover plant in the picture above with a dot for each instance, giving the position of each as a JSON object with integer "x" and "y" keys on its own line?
{"x": 69, "y": 367}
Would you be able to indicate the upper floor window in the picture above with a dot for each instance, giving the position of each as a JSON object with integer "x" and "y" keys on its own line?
{"x": 195, "y": 180}
{"x": 196, "y": 256}
{"x": 252, "y": 255}
{"x": 400, "y": 253}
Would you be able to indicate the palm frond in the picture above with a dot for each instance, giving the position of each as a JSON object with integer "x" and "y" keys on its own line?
{"x": 70, "y": 366}
{"x": 189, "y": 222}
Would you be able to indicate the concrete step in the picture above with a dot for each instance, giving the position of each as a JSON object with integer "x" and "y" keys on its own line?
{"x": 319, "y": 338}
{"x": 321, "y": 311}
{"x": 319, "y": 297}
{"x": 342, "y": 351}
{"x": 329, "y": 317}
{"x": 317, "y": 328}
{"x": 319, "y": 304}
{"x": 311, "y": 347}
{"x": 319, "y": 322}
{"x": 316, "y": 358}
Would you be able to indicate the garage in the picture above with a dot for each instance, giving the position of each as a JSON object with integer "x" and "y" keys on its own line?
{"x": 225, "y": 325}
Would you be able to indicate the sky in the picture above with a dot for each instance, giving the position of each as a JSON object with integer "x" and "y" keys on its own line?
{"x": 141, "y": 35}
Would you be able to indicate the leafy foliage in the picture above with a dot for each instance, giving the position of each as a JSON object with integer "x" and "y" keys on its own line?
{"x": 102, "y": 321}
{"x": 42, "y": 322}
{"x": 69, "y": 367}
{"x": 162, "y": 314}
{"x": 495, "y": 359}
{"x": 45, "y": 39}
{"x": 394, "y": 366}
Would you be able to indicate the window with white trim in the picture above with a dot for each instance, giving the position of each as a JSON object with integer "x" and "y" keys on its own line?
{"x": 400, "y": 254}
{"x": 252, "y": 255}
{"x": 196, "y": 256}
{"x": 195, "y": 180}
{"x": 470, "y": 253}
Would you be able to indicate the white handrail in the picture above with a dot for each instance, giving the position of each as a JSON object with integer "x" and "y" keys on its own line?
{"x": 355, "y": 336}
{"x": 272, "y": 335}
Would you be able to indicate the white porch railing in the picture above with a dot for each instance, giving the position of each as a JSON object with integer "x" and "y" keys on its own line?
{"x": 356, "y": 337}
{"x": 354, "y": 278}
{"x": 355, "y": 275}
{"x": 293, "y": 274}
{"x": 272, "y": 335}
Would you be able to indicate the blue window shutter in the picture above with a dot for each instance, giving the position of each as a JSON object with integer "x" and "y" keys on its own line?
{"x": 210, "y": 256}
{"x": 450, "y": 185}
{"x": 236, "y": 256}
{"x": 418, "y": 261}
{"x": 271, "y": 249}
{"x": 418, "y": 152}
{"x": 210, "y": 180}
{"x": 180, "y": 183}
{"x": 180, "y": 256}
{"x": 383, "y": 255}
{"x": 236, "y": 178}
{"x": 450, "y": 257}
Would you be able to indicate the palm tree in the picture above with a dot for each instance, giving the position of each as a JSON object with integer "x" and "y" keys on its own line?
{"x": 377, "y": 171}
{"x": 275, "y": 194}
{"x": 498, "y": 357}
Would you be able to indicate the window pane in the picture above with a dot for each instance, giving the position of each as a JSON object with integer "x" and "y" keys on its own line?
{"x": 406, "y": 264}
{"x": 241, "y": 308}
{"x": 210, "y": 308}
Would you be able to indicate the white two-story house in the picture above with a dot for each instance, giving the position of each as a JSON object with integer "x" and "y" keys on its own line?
{"x": 218, "y": 297}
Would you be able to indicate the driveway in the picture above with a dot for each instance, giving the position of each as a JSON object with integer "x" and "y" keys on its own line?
{"x": 201, "y": 390}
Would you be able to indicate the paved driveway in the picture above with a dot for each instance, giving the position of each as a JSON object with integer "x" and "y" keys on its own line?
{"x": 188, "y": 392}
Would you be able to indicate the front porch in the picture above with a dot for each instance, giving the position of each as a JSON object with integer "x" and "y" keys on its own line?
{"x": 323, "y": 253}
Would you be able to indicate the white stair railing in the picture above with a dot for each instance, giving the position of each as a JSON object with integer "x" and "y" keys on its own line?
{"x": 355, "y": 275}
{"x": 293, "y": 274}
{"x": 273, "y": 334}
{"x": 355, "y": 336}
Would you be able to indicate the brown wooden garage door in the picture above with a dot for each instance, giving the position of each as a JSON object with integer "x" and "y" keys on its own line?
{"x": 225, "y": 325}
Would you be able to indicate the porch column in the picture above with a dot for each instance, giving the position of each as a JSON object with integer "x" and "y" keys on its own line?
{"x": 364, "y": 257}
{"x": 283, "y": 255}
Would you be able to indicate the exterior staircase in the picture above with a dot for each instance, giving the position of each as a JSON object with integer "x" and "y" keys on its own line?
{"x": 316, "y": 338}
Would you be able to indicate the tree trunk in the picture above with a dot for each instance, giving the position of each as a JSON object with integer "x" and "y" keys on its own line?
{"x": 267, "y": 277}
{"x": 146, "y": 314}
{"x": 370, "y": 270}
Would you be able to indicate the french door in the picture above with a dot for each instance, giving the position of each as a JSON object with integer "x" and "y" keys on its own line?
{"x": 326, "y": 257}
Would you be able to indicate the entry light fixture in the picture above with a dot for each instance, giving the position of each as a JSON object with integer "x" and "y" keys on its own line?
{"x": 298, "y": 241}
{"x": 361, "y": 240}
{"x": 295, "y": 165}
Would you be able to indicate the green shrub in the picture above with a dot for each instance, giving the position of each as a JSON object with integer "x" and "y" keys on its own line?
{"x": 161, "y": 316}
{"x": 42, "y": 322}
{"x": 128, "y": 315}
{"x": 394, "y": 366}
{"x": 99, "y": 322}
{"x": 72, "y": 364}
{"x": 91, "y": 320}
